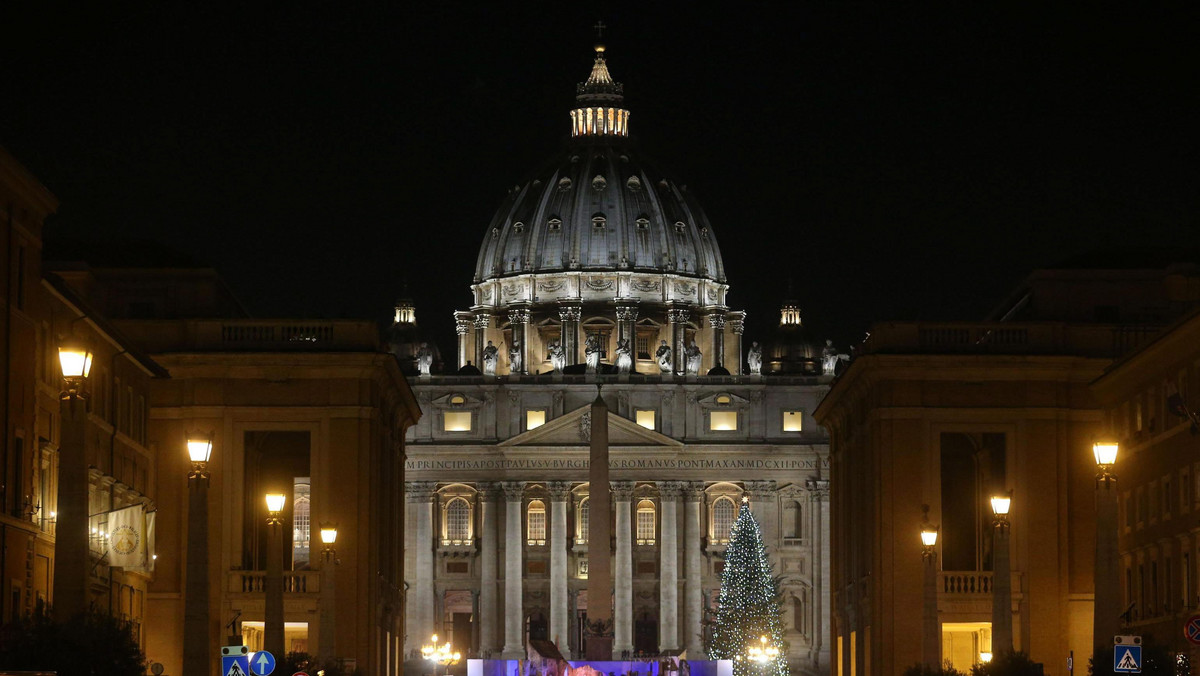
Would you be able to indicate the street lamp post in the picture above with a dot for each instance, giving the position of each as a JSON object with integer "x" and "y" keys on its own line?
{"x": 440, "y": 654}
{"x": 71, "y": 556}
{"x": 1002, "y": 638}
{"x": 327, "y": 649}
{"x": 195, "y": 603}
{"x": 1107, "y": 603}
{"x": 273, "y": 583}
{"x": 931, "y": 641}
{"x": 763, "y": 653}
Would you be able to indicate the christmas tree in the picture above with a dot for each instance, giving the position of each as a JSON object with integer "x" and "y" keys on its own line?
{"x": 749, "y": 606}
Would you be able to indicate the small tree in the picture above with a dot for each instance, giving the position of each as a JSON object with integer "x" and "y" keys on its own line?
{"x": 1008, "y": 664}
{"x": 946, "y": 669}
{"x": 749, "y": 605}
{"x": 88, "y": 644}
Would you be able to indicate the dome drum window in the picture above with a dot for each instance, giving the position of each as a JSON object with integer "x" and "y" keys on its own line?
{"x": 642, "y": 223}
{"x": 599, "y": 221}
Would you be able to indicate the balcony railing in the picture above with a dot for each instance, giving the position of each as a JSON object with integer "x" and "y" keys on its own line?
{"x": 294, "y": 581}
{"x": 965, "y": 582}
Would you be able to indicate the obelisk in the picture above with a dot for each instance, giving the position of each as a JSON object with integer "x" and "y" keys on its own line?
{"x": 599, "y": 637}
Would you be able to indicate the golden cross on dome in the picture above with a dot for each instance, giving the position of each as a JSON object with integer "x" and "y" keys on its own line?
{"x": 600, "y": 29}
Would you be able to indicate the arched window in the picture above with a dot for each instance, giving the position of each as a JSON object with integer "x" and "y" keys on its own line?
{"x": 724, "y": 515}
{"x": 645, "y": 522}
{"x": 585, "y": 508}
{"x": 458, "y": 521}
{"x": 536, "y": 522}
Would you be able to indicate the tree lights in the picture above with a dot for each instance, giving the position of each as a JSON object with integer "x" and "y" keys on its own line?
{"x": 748, "y": 627}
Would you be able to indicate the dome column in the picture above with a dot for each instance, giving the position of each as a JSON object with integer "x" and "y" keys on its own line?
{"x": 482, "y": 320}
{"x": 518, "y": 319}
{"x": 462, "y": 326}
{"x": 626, "y": 316}
{"x": 570, "y": 315}
{"x": 677, "y": 317}
{"x": 717, "y": 323}
{"x": 737, "y": 322}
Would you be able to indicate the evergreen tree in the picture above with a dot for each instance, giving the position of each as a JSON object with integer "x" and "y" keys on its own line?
{"x": 749, "y": 606}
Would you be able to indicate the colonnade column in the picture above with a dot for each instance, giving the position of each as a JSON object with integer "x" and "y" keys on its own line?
{"x": 514, "y": 600}
{"x": 668, "y": 578}
{"x": 462, "y": 326}
{"x": 737, "y": 322}
{"x": 420, "y": 496}
{"x": 622, "y": 492}
{"x": 518, "y": 319}
{"x": 487, "y": 567}
{"x": 693, "y": 592}
{"x": 560, "y": 492}
{"x": 818, "y": 491}
{"x": 717, "y": 322}
{"x": 570, "y": 315}
{"x": 482, "y": 321}
{"x": 677, "y": 318}
{"x": 765, "y": 507}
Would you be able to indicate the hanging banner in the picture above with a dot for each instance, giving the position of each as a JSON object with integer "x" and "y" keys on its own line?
{"x": 127, "y": 537}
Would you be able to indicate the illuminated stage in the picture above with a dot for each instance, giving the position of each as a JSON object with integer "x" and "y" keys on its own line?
{"x": 613, "y": 668}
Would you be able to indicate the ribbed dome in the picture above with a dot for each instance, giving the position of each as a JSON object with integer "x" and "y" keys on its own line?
{"x": 600, "y": 207}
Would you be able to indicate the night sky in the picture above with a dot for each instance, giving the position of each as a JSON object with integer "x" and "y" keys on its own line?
{"x": 893, "y": 163}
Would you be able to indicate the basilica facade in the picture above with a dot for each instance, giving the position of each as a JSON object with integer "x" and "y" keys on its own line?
{"x": 603, "y": 274}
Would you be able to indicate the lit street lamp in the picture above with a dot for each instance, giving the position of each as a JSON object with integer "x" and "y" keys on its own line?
{"x": 327, "y": 649}
{"x": 1106, "y": 579}
{"x": 72, "y": 550}
{"x": 195, "y": 604}
{"x": 763, "y": 652}
{"x": 273, "y": 640}
{"x": 931, "y": 641}
{"x": 1002, "y": 638}
{"x": 440, "y": 654}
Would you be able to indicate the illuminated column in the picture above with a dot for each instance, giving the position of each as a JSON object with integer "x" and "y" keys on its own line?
{"x": 818, "y": 493}
{"x": 717, "y": 322}
{"x": 462, "y": 326}
{"x": 482, "y": 320}
{"x": 677, "y": 318}
{"x": 420, "y": 496}
{"x": 514, "y": 602}
{"x": 737, "y": 322}
{"x": 622, "y": 492}
{"x": 487, "y": 567}
{"x": 626, "y": 316}
{"x": 693, "y": 593}
{"x": 518, "y": 319}
{"x": 668, "y": 580}
{"x": 570, "y": 316}
{"x": 560, "y": 492}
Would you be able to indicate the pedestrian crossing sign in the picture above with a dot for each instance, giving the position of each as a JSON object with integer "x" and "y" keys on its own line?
{"x": 1127, "y": 659}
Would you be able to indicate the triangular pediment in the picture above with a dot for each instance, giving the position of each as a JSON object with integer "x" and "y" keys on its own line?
{"x": 573, "y": 429}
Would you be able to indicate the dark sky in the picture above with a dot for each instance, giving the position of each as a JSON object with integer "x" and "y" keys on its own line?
{"x": 892, "y": 162}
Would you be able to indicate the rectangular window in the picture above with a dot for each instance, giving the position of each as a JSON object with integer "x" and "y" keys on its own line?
{"x": 645, "y": 527}
{"x": 793, "y": 421}
{"x": 723, "y": 421}
{"x": 535, "y": 418}
{"x": 537, "y": 526}
{"x": 645, "y": 418}
{"x": 643, "y": 345}
{"x": 456, "y": 421}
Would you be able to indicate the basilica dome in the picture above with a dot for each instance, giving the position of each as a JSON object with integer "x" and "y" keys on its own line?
{"x": 600, "y": 206}
{"x": 599, "y": 253}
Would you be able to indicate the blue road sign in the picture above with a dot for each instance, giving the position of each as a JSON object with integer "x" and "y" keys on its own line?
{"x": 262, "y": 663}
{"x": 1127, "y": 659}
{"x": 235, "y": 665}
